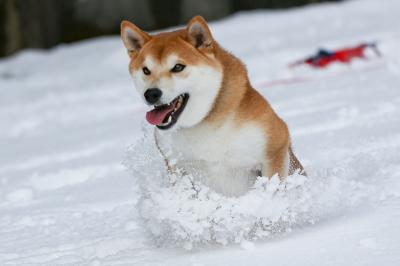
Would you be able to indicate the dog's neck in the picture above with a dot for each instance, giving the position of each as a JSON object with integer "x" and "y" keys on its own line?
{"x": 234, "y": 86}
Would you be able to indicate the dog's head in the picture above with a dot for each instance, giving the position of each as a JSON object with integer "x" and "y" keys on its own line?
{"x": 176, "y": 72}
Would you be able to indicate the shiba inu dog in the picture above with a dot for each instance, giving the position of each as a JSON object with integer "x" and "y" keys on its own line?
{"x": 205, "y": 108}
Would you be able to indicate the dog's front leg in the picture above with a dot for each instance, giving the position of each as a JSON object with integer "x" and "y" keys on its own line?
{"x": 277, "y": 163}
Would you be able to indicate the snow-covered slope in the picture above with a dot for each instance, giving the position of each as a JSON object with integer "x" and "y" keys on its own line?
{"x": 68, "y": 114}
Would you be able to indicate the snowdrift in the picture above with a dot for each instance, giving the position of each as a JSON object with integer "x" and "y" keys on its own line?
{"x": 180, "y": 211}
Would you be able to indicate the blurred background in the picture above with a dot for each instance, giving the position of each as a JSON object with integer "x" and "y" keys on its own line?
{"x": 46, "y": 23}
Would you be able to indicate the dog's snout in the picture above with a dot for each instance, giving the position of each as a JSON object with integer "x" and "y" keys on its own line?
{"x": 152, "y": 95}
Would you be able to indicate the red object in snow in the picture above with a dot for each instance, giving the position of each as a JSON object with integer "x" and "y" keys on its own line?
{"x": 325, "y": 57}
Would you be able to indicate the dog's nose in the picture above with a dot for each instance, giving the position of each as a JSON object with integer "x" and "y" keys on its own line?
{"x": 152, "y": 95}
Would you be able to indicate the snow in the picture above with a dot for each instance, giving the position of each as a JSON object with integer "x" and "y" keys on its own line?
{"x": 68, "y": 115}
{"x": 178, "y": 210}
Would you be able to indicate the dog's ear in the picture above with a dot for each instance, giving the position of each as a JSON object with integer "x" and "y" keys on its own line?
{"x": 199, "y": 34}
{"x": 133, "y": 37}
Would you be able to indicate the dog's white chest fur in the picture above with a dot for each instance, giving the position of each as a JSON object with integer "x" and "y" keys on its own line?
{"x": 226, "y": 157}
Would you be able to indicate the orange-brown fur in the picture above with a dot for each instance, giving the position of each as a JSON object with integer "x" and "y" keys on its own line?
{"x": 165, "y": 43}
{"x": 237, "y": 94}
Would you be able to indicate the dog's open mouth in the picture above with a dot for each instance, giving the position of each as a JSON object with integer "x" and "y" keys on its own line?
{"x": 166, "y": 115}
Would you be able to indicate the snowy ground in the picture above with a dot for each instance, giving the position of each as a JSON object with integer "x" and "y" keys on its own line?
{"x": 68, "y": 114}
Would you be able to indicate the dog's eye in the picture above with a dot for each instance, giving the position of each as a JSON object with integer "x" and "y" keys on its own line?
{"x": 178, "y": 68}
{"x": 146, "y": 71}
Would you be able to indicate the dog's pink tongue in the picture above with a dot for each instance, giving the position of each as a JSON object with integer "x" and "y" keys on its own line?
{"x": 157, "y": 115}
